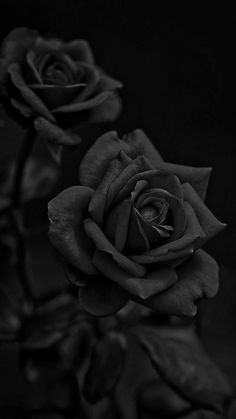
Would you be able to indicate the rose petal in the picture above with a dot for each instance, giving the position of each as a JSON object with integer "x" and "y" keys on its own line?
{"x": 108, "y": 110}
{"x": 98, "y": 201}
{"x": 117, "y": 223}
{"x": 14, "y": 47}
{"x": 55, "y": 151}
{"x": 44, "y": 45}
{"x": 197, "y": 278}
{"x": 179, "y": 358}
{"x": 139, "y": 143}
{"x": 198, "y": 177}
{"x": 155, "y": 178}
{"x": 131, "y": 171}
{"x": 34, "y": 73}
{"x": 165, "y": 181}
{"x": 102, "y": 297}
{"x": 151, "y": 233}
{"x": 91, "y": 78}
{"x": 102, "y": 243}
{"x": 82, "y": 106}
{"x": 155, "y": 397}
{"x": 28, "y": 95}
{"x": 79, "y": 50}
{"x": 177, "y": 211}
{"x": 136, "y": 143}
{"x": 54, "y": 133}
{"x": 66, "y": 214}
{"x": 55, "y": 96}
{"x": 108, "y": 83}
{"x": 137, "y": 240}
{"x": 154, "y": 281}
{"x": 169, "y": 257}
{"x": 24, "y": 109}
{"x": 193, "y": 237}
{"x": 208, "y": 221}
{"x": 95, "y": 162}
{"x": 99, "y": 155}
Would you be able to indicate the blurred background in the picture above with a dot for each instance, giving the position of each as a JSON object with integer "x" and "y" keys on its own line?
{"x": 177, "y": 63}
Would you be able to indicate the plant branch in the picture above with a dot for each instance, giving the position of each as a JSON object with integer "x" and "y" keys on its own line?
{"x": 16, "y": 213}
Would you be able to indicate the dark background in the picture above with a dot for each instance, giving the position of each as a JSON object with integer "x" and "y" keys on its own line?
{"x": 178, "y": 67}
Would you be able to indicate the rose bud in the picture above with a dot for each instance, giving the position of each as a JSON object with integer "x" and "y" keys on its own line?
{"x": 55, "y": 82}
{"x": 134, "y": 229}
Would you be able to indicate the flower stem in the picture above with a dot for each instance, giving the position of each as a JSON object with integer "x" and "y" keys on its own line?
{"x": 117, "y": 411}
{"x": 16, "y": 213}
{"x": 25, "y": 150}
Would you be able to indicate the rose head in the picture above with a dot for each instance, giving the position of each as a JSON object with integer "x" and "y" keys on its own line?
{"x": 56, "y": 83}
{"x": 134, "y": 229}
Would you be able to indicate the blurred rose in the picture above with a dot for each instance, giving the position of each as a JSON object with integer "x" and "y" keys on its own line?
{"x": 188, "y": 384}
{"x": 55, "y": 82}
{"x": 134, "y": 229}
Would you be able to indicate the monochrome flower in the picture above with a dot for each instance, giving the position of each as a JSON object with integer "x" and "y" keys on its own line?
{"x": 134, "y": 229}
{"x": 55, "y": 82}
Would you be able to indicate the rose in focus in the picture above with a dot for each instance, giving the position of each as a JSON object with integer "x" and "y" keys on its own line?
{"x": 134, "y": 229}
{"x": 55, "y": 82}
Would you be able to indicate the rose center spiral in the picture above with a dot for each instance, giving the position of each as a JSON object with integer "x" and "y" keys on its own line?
{"x": 149, "y": 212}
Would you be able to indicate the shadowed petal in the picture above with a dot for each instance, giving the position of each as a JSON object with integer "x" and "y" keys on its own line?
{"x": 57, "y": 95}
{"x": 148, "y": 258}
{"x": 23, "y": 108}
{"x": 44, "y": 45}
{"x": 108, "y": 83}
{"x": 98, "y": 201}
{"x": 136, "y": 143}
{"x": 66, "y": 214}
{"x": 155, "y": 178}
{"x": 82, "y": 106}
{"x": 137, "y": 240}
{"x": 197, "y": 278}
{"x": 14, "y": 47}
{"x": 156, "y": 397}
{"x": 117, "y": 223}
{"x": 154, "y": 281}
{"x": 79, "y": 50}
{"x": 28, "y": 95}
{"x": 95, "y": 162}
{"x": 108, "y": 110}
{"x": 177, "y": 212}
{"x": 198, "y": 177}
{"x": 103, "y": 244}
{"x": 102, "y": 297}
{"x": 193, "y": 237}
{"x": 139, "y": 143}
{"x": 35, "y": 75}
{"x": 55, "y": 151}
{"x": 91, "y": 79}
{"x": 54, "y": 133}
{"x": 180, "y": 360}
{"x": 208, "y": 221}
{"x": 103, "y": 150}
{"x": 130, "y": 172}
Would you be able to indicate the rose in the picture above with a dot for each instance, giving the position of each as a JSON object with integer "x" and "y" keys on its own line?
{"x": 56, "y": 83}
{"x": 134, "y": 228}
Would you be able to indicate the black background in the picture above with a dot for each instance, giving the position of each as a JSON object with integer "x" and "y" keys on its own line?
{"x": 177, "y": 63}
